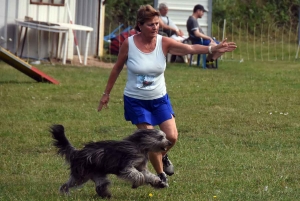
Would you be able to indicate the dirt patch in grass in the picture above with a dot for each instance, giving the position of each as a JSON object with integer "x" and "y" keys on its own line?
{"x": 91, "y": 61}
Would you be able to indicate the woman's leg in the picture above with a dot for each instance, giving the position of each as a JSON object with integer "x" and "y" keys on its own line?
{"x": 153, "y": 157}
{"x": 169, "y": 127}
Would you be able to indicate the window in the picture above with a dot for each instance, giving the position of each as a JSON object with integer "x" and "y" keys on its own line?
{"x": 48, "y": 2}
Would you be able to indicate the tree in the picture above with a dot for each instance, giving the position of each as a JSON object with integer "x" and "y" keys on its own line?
{"x": 257, "y": 11}
{"x": 123, "y": 12}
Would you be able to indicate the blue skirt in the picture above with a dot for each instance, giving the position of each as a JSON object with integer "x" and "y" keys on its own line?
{"x": 153, "y": 112}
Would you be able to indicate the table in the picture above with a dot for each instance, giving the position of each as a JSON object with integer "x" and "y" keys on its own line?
{"x": 77, "y": 27}
{"x": 57, "y": 27}
{"x": 42, "y": 26}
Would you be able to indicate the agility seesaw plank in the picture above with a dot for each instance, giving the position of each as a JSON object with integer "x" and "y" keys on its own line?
{"x": 24, "y": 67}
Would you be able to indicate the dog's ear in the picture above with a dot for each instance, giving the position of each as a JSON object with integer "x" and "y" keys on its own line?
{"x": 136, "y": 136}
{"x": 140, "y": 134}
{"x": 148, "y": 131}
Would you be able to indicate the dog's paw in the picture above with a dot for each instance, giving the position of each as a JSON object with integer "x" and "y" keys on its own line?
{"x": 64, "y": 189}
{"x": 135, "y": 185}
{"x": 105, "y": 196}
{"x": 163, "y": 185}
{"x": 160, "y": 184}
{"x": 103, "y": 192}
{"x": 138, "y": 183}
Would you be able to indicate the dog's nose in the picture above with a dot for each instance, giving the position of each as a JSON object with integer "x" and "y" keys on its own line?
{"x": 169, "y": 143}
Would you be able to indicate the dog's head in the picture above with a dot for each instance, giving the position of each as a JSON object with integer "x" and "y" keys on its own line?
{"x": 152, "y": 140}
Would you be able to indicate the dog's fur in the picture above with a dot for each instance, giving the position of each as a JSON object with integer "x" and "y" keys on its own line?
{"x": 126, "y": 158}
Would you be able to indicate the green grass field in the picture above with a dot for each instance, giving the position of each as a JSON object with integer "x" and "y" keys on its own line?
{"x": 238, "y": 131}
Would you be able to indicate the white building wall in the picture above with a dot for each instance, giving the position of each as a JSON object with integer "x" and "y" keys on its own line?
{"x": 179, "y": 11}
{"x": 38, "y": 44}
{"x": 7, "y": 24}
{"x": 87, "y": 14}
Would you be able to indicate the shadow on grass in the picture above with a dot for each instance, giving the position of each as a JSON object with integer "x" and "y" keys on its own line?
{"x": 19, "y": 82}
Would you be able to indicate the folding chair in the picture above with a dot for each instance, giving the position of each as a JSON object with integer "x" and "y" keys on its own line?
{"x": 117, "y": 41}
{"x": 112, "y": 34}
{"x": 127, "y": 29}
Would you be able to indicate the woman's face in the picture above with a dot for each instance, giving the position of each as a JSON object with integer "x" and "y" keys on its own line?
{"x": 150, "y": 27}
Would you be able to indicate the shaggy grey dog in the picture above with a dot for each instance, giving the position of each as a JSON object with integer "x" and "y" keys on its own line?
{"x": 126, "y": 158}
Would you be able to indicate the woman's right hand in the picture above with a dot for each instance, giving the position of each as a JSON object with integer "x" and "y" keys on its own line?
{"x": 103, "y": 102}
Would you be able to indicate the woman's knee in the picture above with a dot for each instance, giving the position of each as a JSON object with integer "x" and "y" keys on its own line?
{"x": 170, "y": 129}
{"x": 172, "y": 136}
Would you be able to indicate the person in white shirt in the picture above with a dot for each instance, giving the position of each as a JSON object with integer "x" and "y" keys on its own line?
{"x": 163, "y": 11}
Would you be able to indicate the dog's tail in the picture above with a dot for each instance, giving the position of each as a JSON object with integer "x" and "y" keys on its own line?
{"x": 65, "y": 149}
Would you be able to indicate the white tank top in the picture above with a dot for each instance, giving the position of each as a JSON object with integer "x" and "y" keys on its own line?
{"x": 145, "y": 72}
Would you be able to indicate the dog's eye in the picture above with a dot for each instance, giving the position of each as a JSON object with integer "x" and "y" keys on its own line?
{"x": 161, "y": 138}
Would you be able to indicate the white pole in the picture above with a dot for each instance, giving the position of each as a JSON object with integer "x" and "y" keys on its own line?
{"x": 101, "y": 30}
{"x": 224, "y": 27}
{"x": 298, "y": 33}
{"x": 296, "y": 57}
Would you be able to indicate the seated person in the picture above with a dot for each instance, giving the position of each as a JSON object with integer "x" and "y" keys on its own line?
{"x": 195, "y": 32}
{"x": 163, "y": 10}
{"x": 179, "y": 36}
{"x": 165, "y": 27}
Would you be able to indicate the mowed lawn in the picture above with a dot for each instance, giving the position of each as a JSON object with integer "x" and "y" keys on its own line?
{"x": 239, "y": 131}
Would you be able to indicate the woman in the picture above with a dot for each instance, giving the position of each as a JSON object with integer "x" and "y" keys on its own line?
{"x": 146, "y": 102}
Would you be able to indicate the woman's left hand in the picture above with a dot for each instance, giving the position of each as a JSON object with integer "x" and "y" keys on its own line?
{"x": 224, "y": 46}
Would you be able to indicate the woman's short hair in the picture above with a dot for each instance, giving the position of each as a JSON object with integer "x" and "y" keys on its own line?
{"x": 145, "y": 13}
